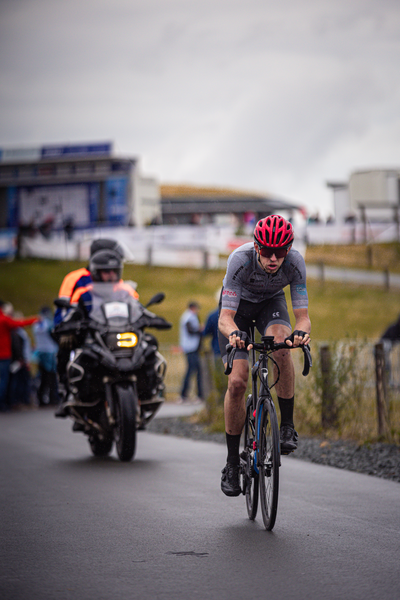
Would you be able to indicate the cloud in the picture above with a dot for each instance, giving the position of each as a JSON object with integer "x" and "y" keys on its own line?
{"x": 261, "y": 95}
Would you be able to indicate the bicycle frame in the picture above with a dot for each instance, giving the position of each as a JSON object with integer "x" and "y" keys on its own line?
{"x": 259, "y": 368}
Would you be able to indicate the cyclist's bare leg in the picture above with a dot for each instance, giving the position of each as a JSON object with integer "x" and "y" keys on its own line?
{"x": 235, "y": 415}
{"x": 285, "y": 386}
{"x": 284, "y": 389}
{"x": 234, "y": 404}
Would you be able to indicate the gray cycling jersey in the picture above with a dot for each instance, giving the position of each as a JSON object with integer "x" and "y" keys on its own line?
{"x": 246, "y": 280}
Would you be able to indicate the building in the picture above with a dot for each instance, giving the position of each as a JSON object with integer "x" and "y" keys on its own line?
{"x": 183, "y": 205}
{"x": 369, "y": 196}
{"x": 74, "y": 186}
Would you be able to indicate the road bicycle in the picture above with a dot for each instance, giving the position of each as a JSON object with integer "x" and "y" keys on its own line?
{"x": 260, "y": 457}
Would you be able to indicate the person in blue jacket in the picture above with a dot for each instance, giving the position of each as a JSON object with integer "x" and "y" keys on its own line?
{"x": 46, "y": 356}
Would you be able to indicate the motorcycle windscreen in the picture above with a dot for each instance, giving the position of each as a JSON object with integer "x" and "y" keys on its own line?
{"x": 114, "y": 305}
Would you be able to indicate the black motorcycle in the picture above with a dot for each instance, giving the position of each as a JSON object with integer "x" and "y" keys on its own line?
{"x": 115, "y": 375}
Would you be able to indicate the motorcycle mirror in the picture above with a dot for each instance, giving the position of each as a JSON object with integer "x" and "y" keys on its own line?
{"x": 62, "y": 303}
{"x": 156, "y": 299}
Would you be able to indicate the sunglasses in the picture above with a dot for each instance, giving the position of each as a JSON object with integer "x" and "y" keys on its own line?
{"x": 268, "y": 252}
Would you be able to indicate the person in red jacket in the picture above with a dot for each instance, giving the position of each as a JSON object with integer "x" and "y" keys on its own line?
{"x": 7, "y": 324}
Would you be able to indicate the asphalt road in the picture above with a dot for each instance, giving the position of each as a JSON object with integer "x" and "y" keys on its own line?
{"x": 76, "y": 527}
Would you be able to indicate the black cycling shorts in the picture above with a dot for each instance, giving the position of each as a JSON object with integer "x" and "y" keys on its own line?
{"x": 273, "y": 311}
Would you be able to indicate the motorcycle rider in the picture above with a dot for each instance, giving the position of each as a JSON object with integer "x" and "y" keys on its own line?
{"x": 82, "y": 277}
{"x": 115, "y": 373}
{"x": 105, "y": 266}
{"x": 72, "y": 282}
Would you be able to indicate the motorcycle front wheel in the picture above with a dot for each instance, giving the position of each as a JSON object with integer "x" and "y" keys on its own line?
{"x": 100, "y": 447}
{"x": 125, "y": 421}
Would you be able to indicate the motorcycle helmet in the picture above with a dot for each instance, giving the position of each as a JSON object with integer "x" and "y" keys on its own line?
{"x": 105, "y": 260}
{"x": 105, "y": 244}
{"x": 273, "y": 232}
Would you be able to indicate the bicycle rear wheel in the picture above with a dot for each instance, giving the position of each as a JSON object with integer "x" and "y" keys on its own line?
{"x": 269, "y": 462}
{"x": 250, "y": 477}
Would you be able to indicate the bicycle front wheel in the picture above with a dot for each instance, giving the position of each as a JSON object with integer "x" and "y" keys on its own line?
{"x": 269, "y": 462}
{"x": 250, "y": 477}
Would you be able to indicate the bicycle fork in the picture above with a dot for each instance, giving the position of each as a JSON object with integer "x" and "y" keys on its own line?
{"x": 258, "y": 412}
{"x": 259, "y": 461}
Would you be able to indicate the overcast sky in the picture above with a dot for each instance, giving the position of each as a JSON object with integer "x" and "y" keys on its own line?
{"x": 266, "y": 96}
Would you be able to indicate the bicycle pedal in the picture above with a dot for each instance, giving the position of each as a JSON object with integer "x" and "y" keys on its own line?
{"x": 286, "y": 452}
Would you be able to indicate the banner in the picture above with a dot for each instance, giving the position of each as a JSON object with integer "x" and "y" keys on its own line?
{"x": 117, "y": 200}
{"x": 54, "y": 206}
{"x": 80, "y": 150}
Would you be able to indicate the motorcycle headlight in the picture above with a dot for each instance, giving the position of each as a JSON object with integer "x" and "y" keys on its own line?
{"x": 127, "y": 340}
{"x": 120, "y": 341}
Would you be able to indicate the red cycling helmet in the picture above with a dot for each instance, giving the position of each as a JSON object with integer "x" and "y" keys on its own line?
{"x": 274, "y": 231}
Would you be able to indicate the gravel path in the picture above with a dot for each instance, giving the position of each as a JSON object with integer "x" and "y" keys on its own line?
{"x": 380, "y": 460}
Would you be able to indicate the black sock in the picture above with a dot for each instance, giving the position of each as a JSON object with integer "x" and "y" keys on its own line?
{"x": 233, "y": 443}
{"x": 286, "y": 406}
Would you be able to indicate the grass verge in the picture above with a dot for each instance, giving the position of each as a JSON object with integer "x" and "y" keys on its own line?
{"x": 337, "y": 311}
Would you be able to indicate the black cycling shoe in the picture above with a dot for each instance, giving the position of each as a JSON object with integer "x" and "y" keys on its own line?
{"x": 230, "y": 480}
{"x": 288, "y": 439}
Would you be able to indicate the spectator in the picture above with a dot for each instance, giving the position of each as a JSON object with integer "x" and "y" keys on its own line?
{"x": 214, "y": 364}
{"x": 69, "y": 228}
{"x": 190, "y": 338}
{"x": 389, "y": 338}
{"x": 46, "y": 228}
{"x": 211, "y": 328}
{"x": 392, "y": 333}
{"x": 20, "y": 383}
{"x": 7, "y": 325}
{"x": 46, "y": 355}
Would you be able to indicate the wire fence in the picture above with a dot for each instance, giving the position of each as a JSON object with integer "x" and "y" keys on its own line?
{"x": 341, "y": 400}
{"x": 353, "y": 391}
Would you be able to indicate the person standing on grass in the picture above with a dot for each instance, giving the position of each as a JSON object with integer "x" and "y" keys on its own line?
{"x": 211, "y": 329}
{"x": 389, "y": 338}
{"x": 20, "y": 383}
{"x": 46, "y": 355}
{"x": 190, "y": 338}
{"x": 7, "y": 325}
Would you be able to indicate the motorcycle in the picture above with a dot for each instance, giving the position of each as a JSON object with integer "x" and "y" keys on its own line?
{"x": 115, "y": 374}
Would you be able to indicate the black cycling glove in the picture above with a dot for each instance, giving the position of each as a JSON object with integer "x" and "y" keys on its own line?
{"x": 295, "y": 332}
{"x": 242, "y": 335}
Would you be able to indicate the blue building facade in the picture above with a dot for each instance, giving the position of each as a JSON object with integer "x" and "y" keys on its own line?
{"x": 65, "y": 186}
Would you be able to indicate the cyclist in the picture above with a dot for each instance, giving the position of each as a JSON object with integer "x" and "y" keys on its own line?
{"x": 256, "y": 275}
